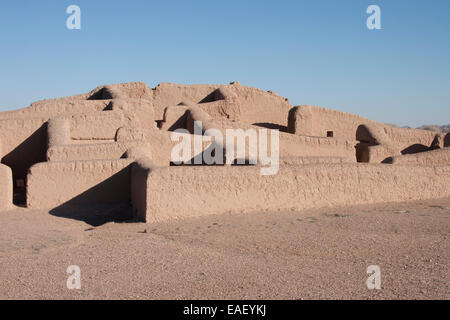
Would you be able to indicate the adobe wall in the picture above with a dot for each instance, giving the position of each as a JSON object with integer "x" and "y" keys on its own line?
{"x": 140, "y": 108}
{"x": 158, "y": 141}
{"x": 25, "y": 140}
{"x": 434, "y": 157}
{"x": 6, "y": 188}
{"x": 289, "y": 145}
{"x": 406, "y": 139}
{"x": 100, "y": 125}
{"x": 381, "y": 143}
{"x": 128, "y": 90}
{"x": 58, "y": 132}
{"x": 233, "y": 101}
{"x": 171, "y": 94}
{"x": 215, "y": 190}
{"x": 52, "y": 108}
{"x": 317, "y": 121}
{"x": 313, "y": 160}
{"x": 164, "y": 95}
{"x": 304, "y": 146}
{"x": 97, "y": 151}
{"x": 174, "y": 118}
{"x": 52, "y": 184}
{"x": 161, "y": 145}
{"x": 89, "y": 127}
{"x": 261, "y": 107}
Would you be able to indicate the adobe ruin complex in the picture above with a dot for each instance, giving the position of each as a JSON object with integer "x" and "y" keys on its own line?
{"x": 113, "y": 146}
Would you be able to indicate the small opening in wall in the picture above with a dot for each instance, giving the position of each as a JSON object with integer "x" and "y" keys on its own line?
{"x": 19, "y": 197}
{"x": 330, "y": 134}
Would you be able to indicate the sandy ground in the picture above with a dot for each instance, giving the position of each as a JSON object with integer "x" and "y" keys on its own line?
{"x": 313, "y": 254}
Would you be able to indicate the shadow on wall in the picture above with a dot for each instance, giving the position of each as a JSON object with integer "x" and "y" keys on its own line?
{"x": 415, "y": 148}
{"x": 180, "y": 123}
{"x": 447, "y": 140}
{"x": 216, "y": 95}
{"x": 366, "y": 140}
{"x": 108, "y": 201}
{"x": 102, "y": 94}
{"x": 388, "y": 160}
{"x": 271, "y": 126}
{"x": 31, "y": 151}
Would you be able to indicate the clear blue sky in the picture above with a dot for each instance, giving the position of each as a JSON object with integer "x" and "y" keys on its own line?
{"x": 312, "y": 52}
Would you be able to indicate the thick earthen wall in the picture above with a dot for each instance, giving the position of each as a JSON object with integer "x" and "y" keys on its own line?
{"x": 52, "y": 184}
{"x": 203, "y": 191}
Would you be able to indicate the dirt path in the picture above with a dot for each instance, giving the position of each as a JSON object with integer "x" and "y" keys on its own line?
{"x": 269, "y": 255}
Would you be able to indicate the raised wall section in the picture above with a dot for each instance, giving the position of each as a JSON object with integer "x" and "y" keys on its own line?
{"x": 6, "y": 188}
{"x": 52, "y": 184}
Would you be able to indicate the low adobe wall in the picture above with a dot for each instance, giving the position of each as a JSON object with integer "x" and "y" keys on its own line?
{"x": 6, "y": 188}
{"x": 214, "y": 190}
{"x": 52, "y": 184}
{"x": 100, "y": 125}
{"x": 304, "y": 146}
{"x": 313, "y": 160}
{"x": 98, "y": 151}
{"x": 434, "y": 157}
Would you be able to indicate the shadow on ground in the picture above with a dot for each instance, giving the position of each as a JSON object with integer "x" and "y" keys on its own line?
{"x": 95, "y": 215}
